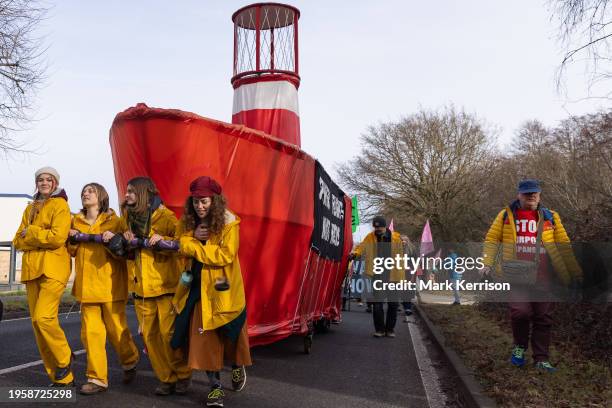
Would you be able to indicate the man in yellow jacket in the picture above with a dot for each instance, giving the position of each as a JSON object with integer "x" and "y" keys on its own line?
{"x": 381, "y": 243}
{"x": 513, "y": 236}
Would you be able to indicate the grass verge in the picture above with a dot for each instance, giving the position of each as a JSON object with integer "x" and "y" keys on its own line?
{"x": 484, "y": 345}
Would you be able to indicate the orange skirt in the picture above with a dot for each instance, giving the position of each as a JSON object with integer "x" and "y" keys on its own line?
{"x": 208, "y": 349}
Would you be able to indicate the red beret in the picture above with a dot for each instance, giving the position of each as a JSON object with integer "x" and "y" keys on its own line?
{"x": 204, "y": 186}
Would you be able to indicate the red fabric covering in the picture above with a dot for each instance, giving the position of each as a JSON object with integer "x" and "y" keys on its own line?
{"x": 282, "y": 123}
{"x": 268, "y": 183}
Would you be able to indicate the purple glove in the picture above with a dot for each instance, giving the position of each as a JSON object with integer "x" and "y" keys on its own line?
{"x": 165, "y": 245}
{"x": 82, "y": 237}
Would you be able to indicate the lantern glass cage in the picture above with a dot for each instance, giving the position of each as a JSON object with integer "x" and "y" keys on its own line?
{"x": 265, "y": 40}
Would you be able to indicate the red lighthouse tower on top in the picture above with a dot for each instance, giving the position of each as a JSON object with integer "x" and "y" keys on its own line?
{"x": 266, "y": 76}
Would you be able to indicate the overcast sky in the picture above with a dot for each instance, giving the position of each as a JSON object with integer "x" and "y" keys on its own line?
{"x": 361, "y": 62}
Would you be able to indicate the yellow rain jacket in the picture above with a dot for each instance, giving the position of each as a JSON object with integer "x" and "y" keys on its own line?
{"x": 100, "y": 277}
{"x": 368, "y": 248}
{"x": 219, "y": 257}
{"x": 44, "y": 245}
{"x": 154, "y": 273}
{"x": 554, "y": 240}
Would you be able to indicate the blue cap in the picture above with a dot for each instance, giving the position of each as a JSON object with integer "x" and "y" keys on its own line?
{"x": 529, "y": 186}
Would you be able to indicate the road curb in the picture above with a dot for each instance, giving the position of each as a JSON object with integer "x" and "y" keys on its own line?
{"x": 470, "y": 390}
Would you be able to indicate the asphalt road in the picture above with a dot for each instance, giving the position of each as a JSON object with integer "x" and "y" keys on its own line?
{"x": 347, "y": 368}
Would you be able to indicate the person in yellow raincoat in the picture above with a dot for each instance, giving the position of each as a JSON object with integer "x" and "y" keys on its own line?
{"x": 45, "y": 270}
{"x": 382, "y": 243}
{"x": 101, "y": 286}
{"x": 154, "y": 276}
{"x": 210, "y": 299}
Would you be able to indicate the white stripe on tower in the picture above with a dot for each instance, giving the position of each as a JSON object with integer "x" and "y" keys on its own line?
{"x": 266, "y": 95}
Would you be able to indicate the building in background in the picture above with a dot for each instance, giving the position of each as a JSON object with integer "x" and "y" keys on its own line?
{"x": 11, "y": 210}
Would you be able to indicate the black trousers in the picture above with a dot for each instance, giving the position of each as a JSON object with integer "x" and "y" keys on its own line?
{"x": 380, "y": 324}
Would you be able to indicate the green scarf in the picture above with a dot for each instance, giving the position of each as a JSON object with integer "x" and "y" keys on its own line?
{"x": 140, "y": 223}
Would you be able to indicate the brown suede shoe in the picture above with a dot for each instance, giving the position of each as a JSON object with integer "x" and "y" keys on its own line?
{"x": 129, "y": 375}
{"x": 91, "y": 388}
{"x": 165, "y": 388}
{"x": 182, "y": 386}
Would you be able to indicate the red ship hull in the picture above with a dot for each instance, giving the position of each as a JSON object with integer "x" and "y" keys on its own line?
{"x": 268, "y": 183}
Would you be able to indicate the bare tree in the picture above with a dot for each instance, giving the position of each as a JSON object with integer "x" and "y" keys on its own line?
{"x": 585, "y": 190}
{"x": 430, "y": 165}
{"x": 574, "y": 163}
{"x": 532, "y": 135}
{"x": 585, "y": 31}
{"x": 21, "y": 66}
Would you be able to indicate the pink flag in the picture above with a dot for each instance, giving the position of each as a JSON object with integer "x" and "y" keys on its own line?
{"x": 391, "y": 225}
{"x": 426, "y": 240}
{"x": 438, "y": 254}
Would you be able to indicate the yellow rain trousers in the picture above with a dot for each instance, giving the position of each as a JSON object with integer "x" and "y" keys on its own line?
{"x": 156, "y": 317}
{"x": 44, "y": 296}
{"x": 97, "y": 321}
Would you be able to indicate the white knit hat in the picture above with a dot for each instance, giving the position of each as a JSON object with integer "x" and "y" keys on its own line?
{"x": 47, "y": 170}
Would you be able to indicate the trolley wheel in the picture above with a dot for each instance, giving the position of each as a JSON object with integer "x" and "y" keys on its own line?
{"x": 318, "y": 326}
{"x": 323, "y": 325}
{"x": 308, "y": 343}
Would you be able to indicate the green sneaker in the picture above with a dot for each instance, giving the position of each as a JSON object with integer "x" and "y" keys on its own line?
{"x": 518, "y": 356}
{"x": 215, "y": 398}
{"x": 238, "y": 378}
{"x": 545, "y": 366}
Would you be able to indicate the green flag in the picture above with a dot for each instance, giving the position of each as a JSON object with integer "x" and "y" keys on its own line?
{"x": 355, "y": 213}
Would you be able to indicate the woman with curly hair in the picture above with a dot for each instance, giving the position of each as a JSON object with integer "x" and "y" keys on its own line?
{"x": 153, "y": 276}
{"x": 100, "y": 285}
{"x": 45, "y": 270}
{"x": 210, "y": 298}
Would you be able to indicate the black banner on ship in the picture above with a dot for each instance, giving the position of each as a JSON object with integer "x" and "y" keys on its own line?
{"x": 328, "y": 234}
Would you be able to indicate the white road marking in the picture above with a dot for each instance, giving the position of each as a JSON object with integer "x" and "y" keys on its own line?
{"x": 32, "y": 364}
{"x": 431, "y": 382}
{"x": 28, "y": 317}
